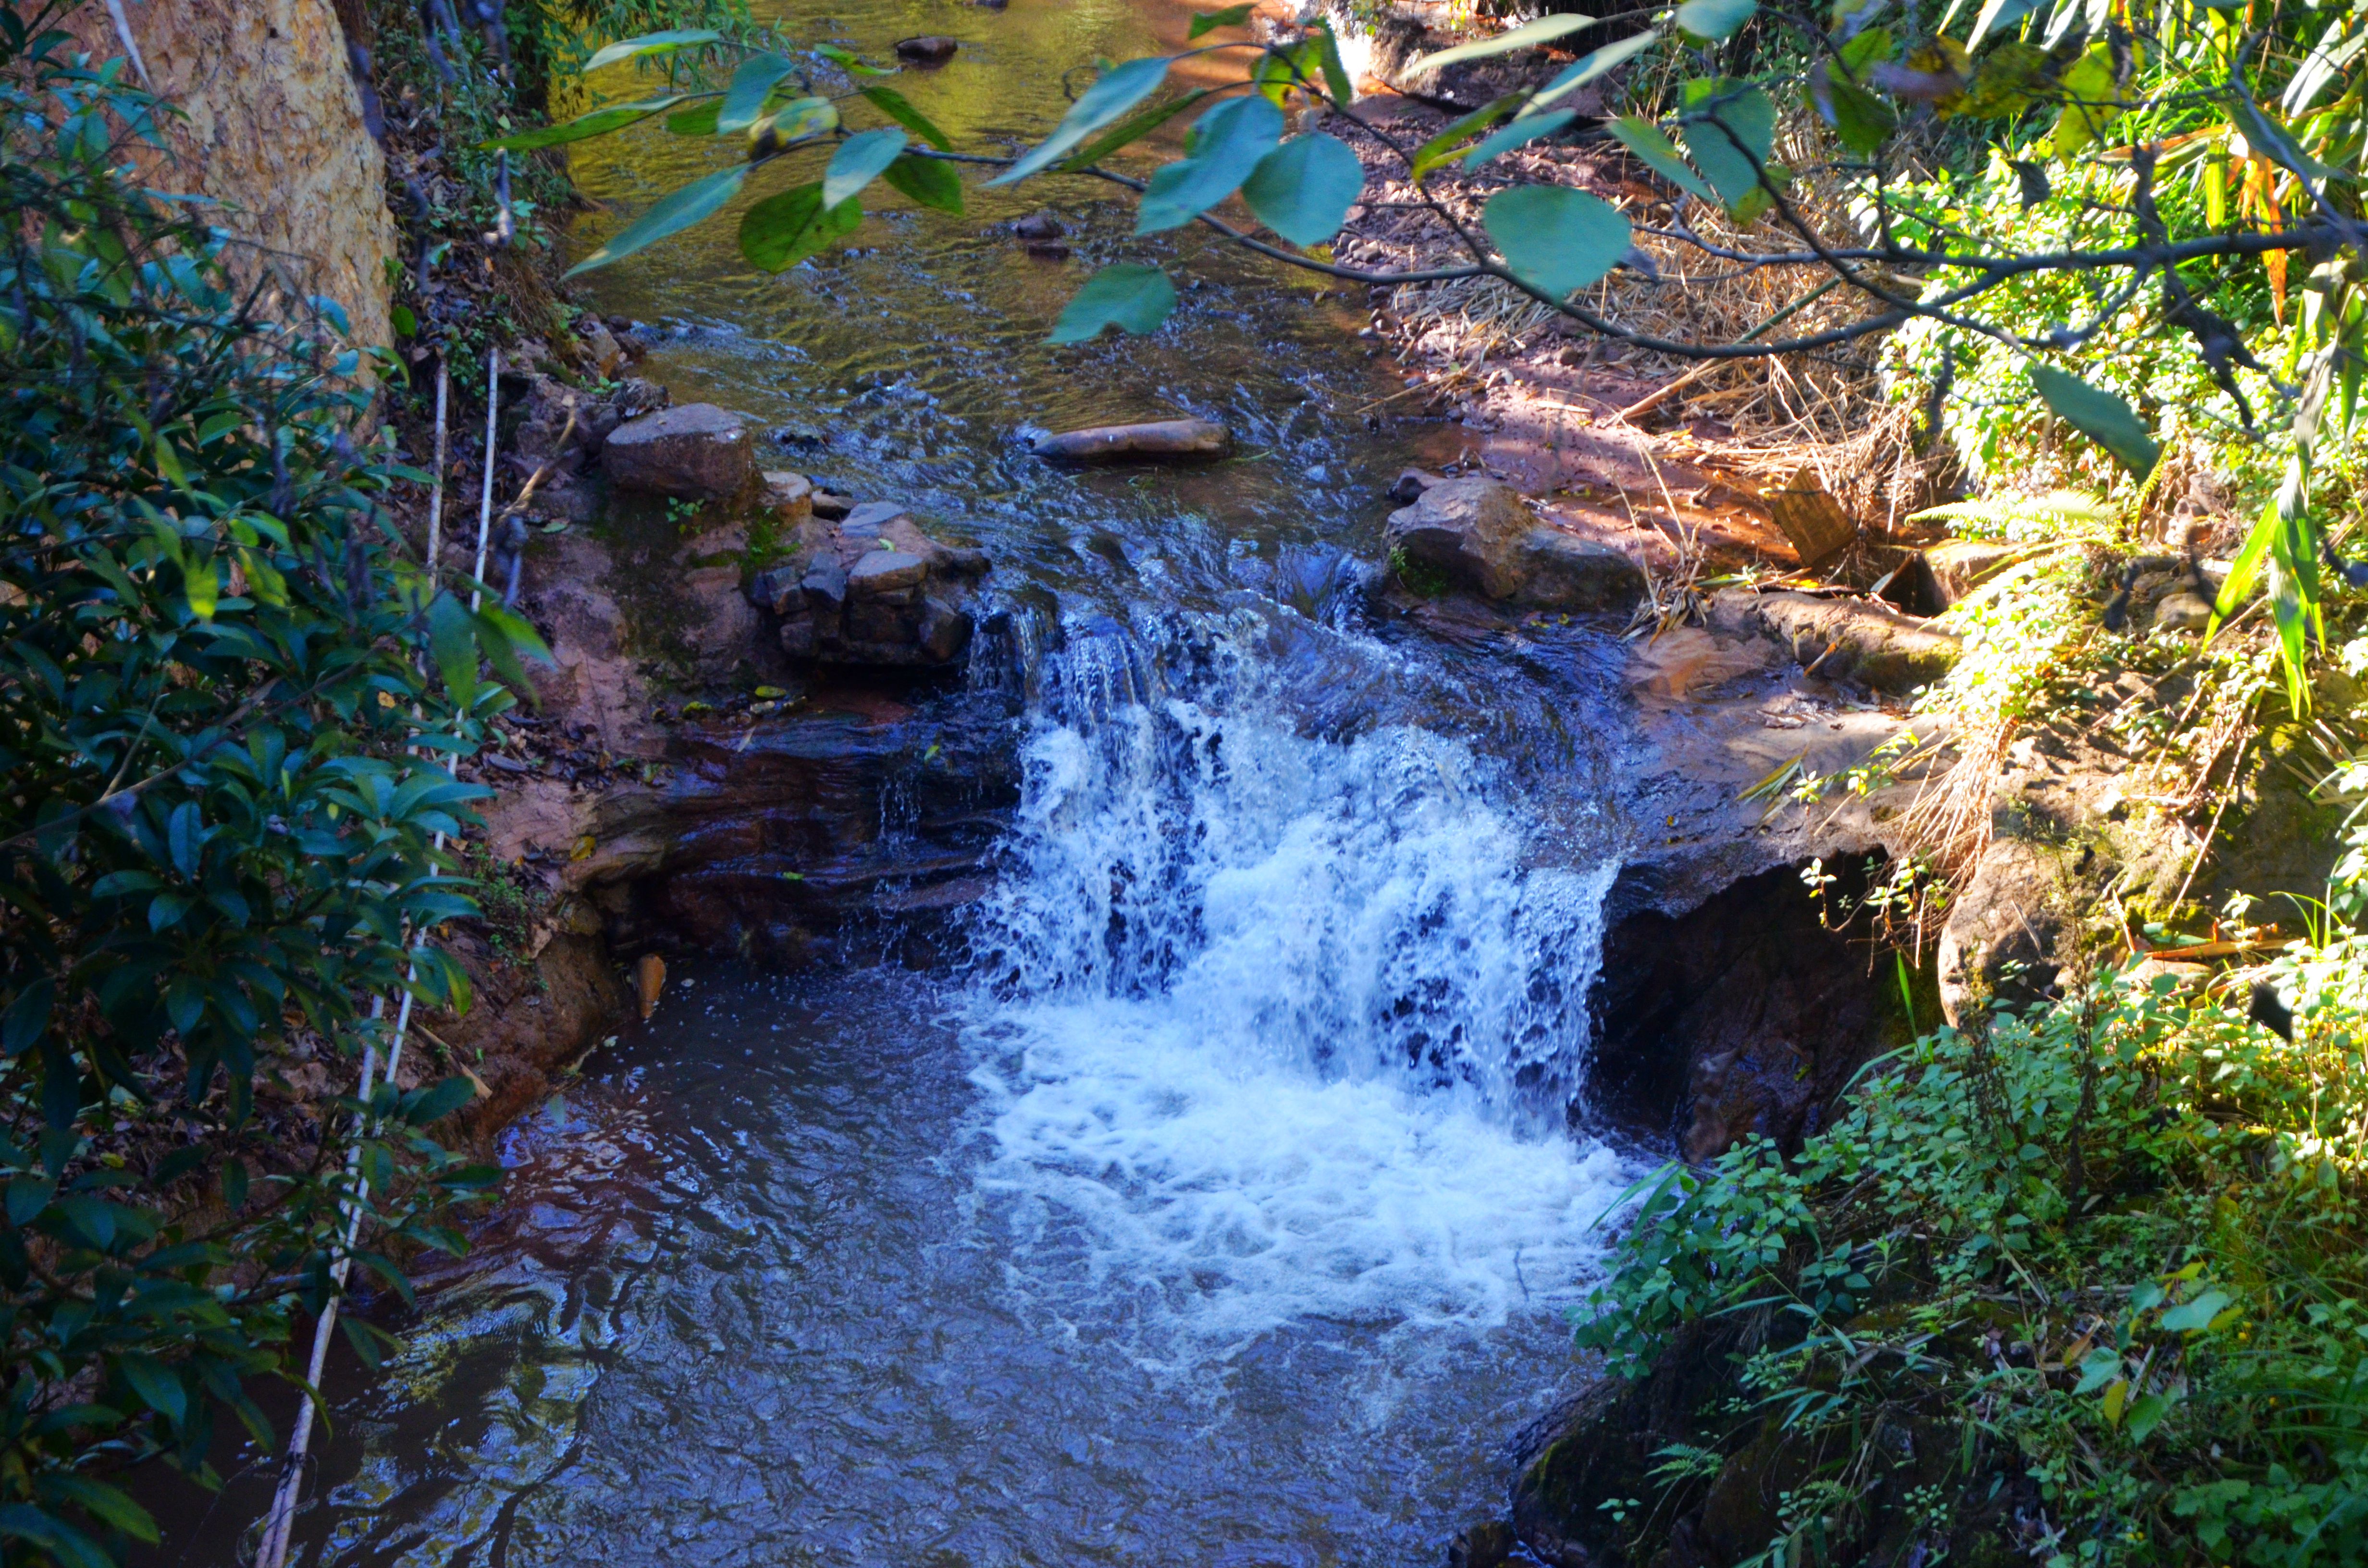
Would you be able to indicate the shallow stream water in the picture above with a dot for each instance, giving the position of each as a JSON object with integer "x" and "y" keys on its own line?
{"x": 1217, "y": 1207}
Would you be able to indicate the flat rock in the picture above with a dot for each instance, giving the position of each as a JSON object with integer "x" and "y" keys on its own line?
{"x": 867, "y": 520}
{"x": 884, "y": 571}
{"x": 696, "y": 450}
{"x": 1561, "y": 571}
{"x": 1842, "y": 639}
{"x": 1159, "y": 438}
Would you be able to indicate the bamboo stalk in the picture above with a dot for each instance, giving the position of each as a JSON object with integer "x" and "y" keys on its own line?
{"x": 436, "y": 487}
{"x": 486, "y": 507}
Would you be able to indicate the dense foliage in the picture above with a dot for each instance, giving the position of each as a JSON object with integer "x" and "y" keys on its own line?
{"x": 226, "y": 704}
{"x": 2113, "y": 1245}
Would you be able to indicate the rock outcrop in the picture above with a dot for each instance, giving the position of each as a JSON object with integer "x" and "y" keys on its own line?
{"x": 694, "y": 451}
{"x": 1480, "y": 535}
{"x": 873, "y": 590}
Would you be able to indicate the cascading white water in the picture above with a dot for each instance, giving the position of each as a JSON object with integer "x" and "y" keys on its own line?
{"x": 1273, "y": 1024}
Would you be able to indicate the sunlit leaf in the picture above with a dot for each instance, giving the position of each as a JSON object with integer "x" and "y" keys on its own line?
{"x": 1729, "y": 128}
{"x": 599, "y": 123}
{"x": 1210, "y": 21}
{"x": 2099, "y": 415}
{"x": 1442, "y": 147}
{"x": 1861, "y": 120}
{"x": 1593, "y": 67}
{"x": 1711, "y": 21}
{"x": 648, "y": 45}
{"x": 673, "y": 213}
{"x": 1554, "y": 238}
{"x": 752, "y": 84}
{"x": 1302, "y": 190}
{"x": 1644, "y": 138}
{"x": 859, "y": 161}
{"x": 1118, "y": 91}
{"x": 847, "y": 60}
{"x": 782, "y": 231}
{"x": 1545, "y": 31}
{"x": 2092, "y": 102}
{"x": 1134, "y": 299}
{"x": 700, "y": 121}
{"x": 1131, "y": 130}
{"x": 1336, "y": 74}
{"x": 1227, "y": 143}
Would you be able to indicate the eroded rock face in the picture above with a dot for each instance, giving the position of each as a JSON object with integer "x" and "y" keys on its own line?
{"x": 2003, "y": 929}
{"x": 696, "y": 450}
{"x": 1480, "y": 535}
{"x": 871, "y": 589}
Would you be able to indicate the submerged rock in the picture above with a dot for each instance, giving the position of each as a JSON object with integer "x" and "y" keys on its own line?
{"x": 1159, "y": 438}
{"x": 933, "y": 49}
{"x": 696, "y": 450}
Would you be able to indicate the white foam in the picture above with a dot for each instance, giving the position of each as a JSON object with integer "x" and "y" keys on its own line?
{"x": 1273, "y": 1027}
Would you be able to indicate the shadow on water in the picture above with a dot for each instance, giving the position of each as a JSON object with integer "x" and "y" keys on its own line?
{"x": 1216, "y": 1208}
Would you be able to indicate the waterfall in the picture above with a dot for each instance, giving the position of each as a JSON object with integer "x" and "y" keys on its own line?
{"x": 1272, "y": 1022}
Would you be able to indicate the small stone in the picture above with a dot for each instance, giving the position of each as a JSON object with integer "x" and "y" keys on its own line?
{"x": 929, "y": 49}
{"x": 1039, "y": 225}
{"x": 788, "y": 497}
{"x": 777, "y": 590}
{"x": 884, "y": 571}
{"x": 1048, "y": 250}
{"x": 697, "y": 450}
{"x": 2182, "y": 612}
{"x": 1471, "y": 529}
{"x": 824, "y": 582}
{"x": 600, "y": 346}
{"x": 828, "y": 505}
{"x": 1411, "y": 483}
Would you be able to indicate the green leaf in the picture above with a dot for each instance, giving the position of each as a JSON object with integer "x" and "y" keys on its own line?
{"x": 1526, "y": 128}
{"x": 2011, "y": 78}
{"x": 29, "y": 1015}
{"x": 1861, "y": 120}
{"x": 1711, "y": 21}
{"x": 700, "y": 121}
{"x": 2247, "y": 566}
{"x": 926, "y": 181}
{"x": 1131, "y": 129}
{"x": 1554, "y": 238}
{"x": 1644, "y": 138}
{"x": 892, "y": 104}
{"x": 1336, "y": 75}
{"x": 1134, "y": 299}
{"x": 782, "y": 231}
{"x": 2147, "y": 1412}
{"x": 1210, "y": 21}
{"x": 1302, "y": 190}
{"x": 424, "y": 1107}
{"x": 452, "y": 638}
{"x": 651, "y": 43}
{"x": 2100, "y": 415}
{"x": 2196, "y": 1315}
{"x": 1226, "y": 144}
{"x": 1588, "y": 69}
{"x": 793, "y": 121}
{"x": 752, "y": 84}
{"x": 858, "y": 162}
{"x": 1442, "y": 147}
{"x": 158, "y": 1386}
{"x": 599, "y": 123}
{"x": 1545, "y": 31}
{"x": 673, "y": 213}
{"x": 2098, "y": 1368}
{"x": 849, "y": 61}
{"x": 1729, "y": 128}
{"x": 1118, "y": 91}
{"x": 202, "y": 583}
{"x": 2092, "y": 102}
{"x": 105, "y": 1503}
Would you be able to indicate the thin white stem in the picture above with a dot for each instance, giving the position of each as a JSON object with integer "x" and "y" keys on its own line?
{"x": 436, "y": 487}
{"x": 485, "y": 509}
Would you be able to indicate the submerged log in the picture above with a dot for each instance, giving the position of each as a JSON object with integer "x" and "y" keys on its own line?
{"x": 1116, "y": 443}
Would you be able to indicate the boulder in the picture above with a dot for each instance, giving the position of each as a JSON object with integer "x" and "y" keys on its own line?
{"x": 2003, "y": 929}
{"x": 1411, "y": 483}
{"x": 867, "y": 520}
{"x": 1841, "y": 639}
{"x": 1470, "y": 529}
{"x": 1960, "y": 565}
{"x": 1115, "y": 443}
{"x": 884, "y": 594}
{"x": 1039, "y": 225}
{"x": 696, "y": 450}
{"x": 2183, "y": 611}
{"x": 884, "y": 572}
{"x": 601, "y": 350}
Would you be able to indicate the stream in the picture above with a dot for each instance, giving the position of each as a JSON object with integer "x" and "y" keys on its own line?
{"x": 1217, "y": 1204}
